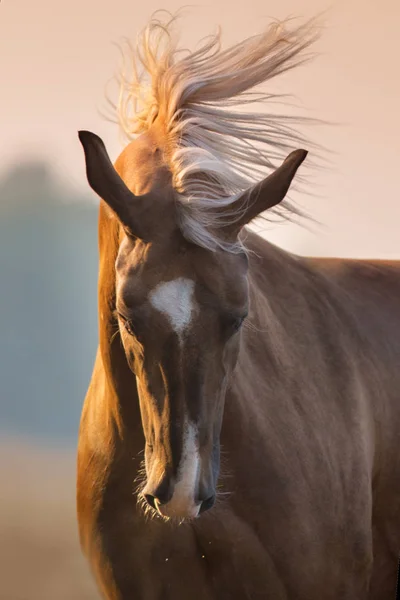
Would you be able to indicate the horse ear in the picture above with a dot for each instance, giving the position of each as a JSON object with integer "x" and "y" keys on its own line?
{"x": 105, "y": 181}
{"x": 266, "y": 194}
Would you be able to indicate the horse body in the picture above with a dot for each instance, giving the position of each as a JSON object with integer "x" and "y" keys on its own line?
{"x": 301, "y": 401}
{"x": 309, "y": 439}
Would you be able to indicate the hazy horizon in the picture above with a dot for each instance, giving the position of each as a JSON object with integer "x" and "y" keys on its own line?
{"x": 58, "y": 64}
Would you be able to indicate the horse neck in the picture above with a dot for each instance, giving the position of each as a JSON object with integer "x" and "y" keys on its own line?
{"x": 273, "y": 272}
{"x": 280, "y": 289}
{"x": 291, "y": 301}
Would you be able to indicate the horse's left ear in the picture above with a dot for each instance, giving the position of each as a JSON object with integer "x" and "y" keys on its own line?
{"x": 266, "y": 194}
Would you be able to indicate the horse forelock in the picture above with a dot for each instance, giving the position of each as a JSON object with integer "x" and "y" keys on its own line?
{"x": 215, "y": 142}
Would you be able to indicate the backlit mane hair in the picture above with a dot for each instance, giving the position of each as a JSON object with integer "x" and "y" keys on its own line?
{"x": 218, "y": 143}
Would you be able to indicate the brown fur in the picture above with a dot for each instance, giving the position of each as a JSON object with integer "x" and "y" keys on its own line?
{"x": 311, "y": 469}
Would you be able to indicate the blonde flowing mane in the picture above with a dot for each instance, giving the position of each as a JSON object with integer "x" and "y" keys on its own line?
{"x": 220, "y": 135}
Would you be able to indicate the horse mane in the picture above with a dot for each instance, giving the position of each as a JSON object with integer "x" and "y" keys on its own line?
{"x": 218, "y": 143}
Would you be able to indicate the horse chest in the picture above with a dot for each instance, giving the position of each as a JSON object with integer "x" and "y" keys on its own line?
{"x": 215, "y": 561}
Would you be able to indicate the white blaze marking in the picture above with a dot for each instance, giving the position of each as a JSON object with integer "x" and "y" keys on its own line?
{"x": 175, "y": 300}
{"x": 182, "y": 502}
{"x": 189, "y": 465}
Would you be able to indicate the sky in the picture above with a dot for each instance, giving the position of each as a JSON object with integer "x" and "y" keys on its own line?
{"x": 56, "y": 59}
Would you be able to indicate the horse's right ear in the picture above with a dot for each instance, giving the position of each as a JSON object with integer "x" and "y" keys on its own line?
{"x": 105, "y": 181}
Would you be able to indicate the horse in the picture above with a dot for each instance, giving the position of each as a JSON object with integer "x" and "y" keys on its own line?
{"x": 239, "y": 437}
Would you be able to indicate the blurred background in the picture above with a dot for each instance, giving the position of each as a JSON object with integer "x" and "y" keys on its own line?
{"x": 56, "y": 58}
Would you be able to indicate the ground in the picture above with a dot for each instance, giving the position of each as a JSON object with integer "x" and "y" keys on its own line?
{"x": 40, "y": 558}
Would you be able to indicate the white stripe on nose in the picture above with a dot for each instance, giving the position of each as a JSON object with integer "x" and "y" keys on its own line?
{"x": 182, "y": 503}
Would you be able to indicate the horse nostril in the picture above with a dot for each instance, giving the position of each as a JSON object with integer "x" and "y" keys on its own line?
{"x": 155, "y": 501}
{"x": 158, "y": 495}
{"x": 207, "y": 504}
{"x": 151, "y": 501}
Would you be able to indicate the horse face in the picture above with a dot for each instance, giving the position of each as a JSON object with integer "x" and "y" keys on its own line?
{"x": 180, "y": 308}
{"x": 180, "y": 311}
